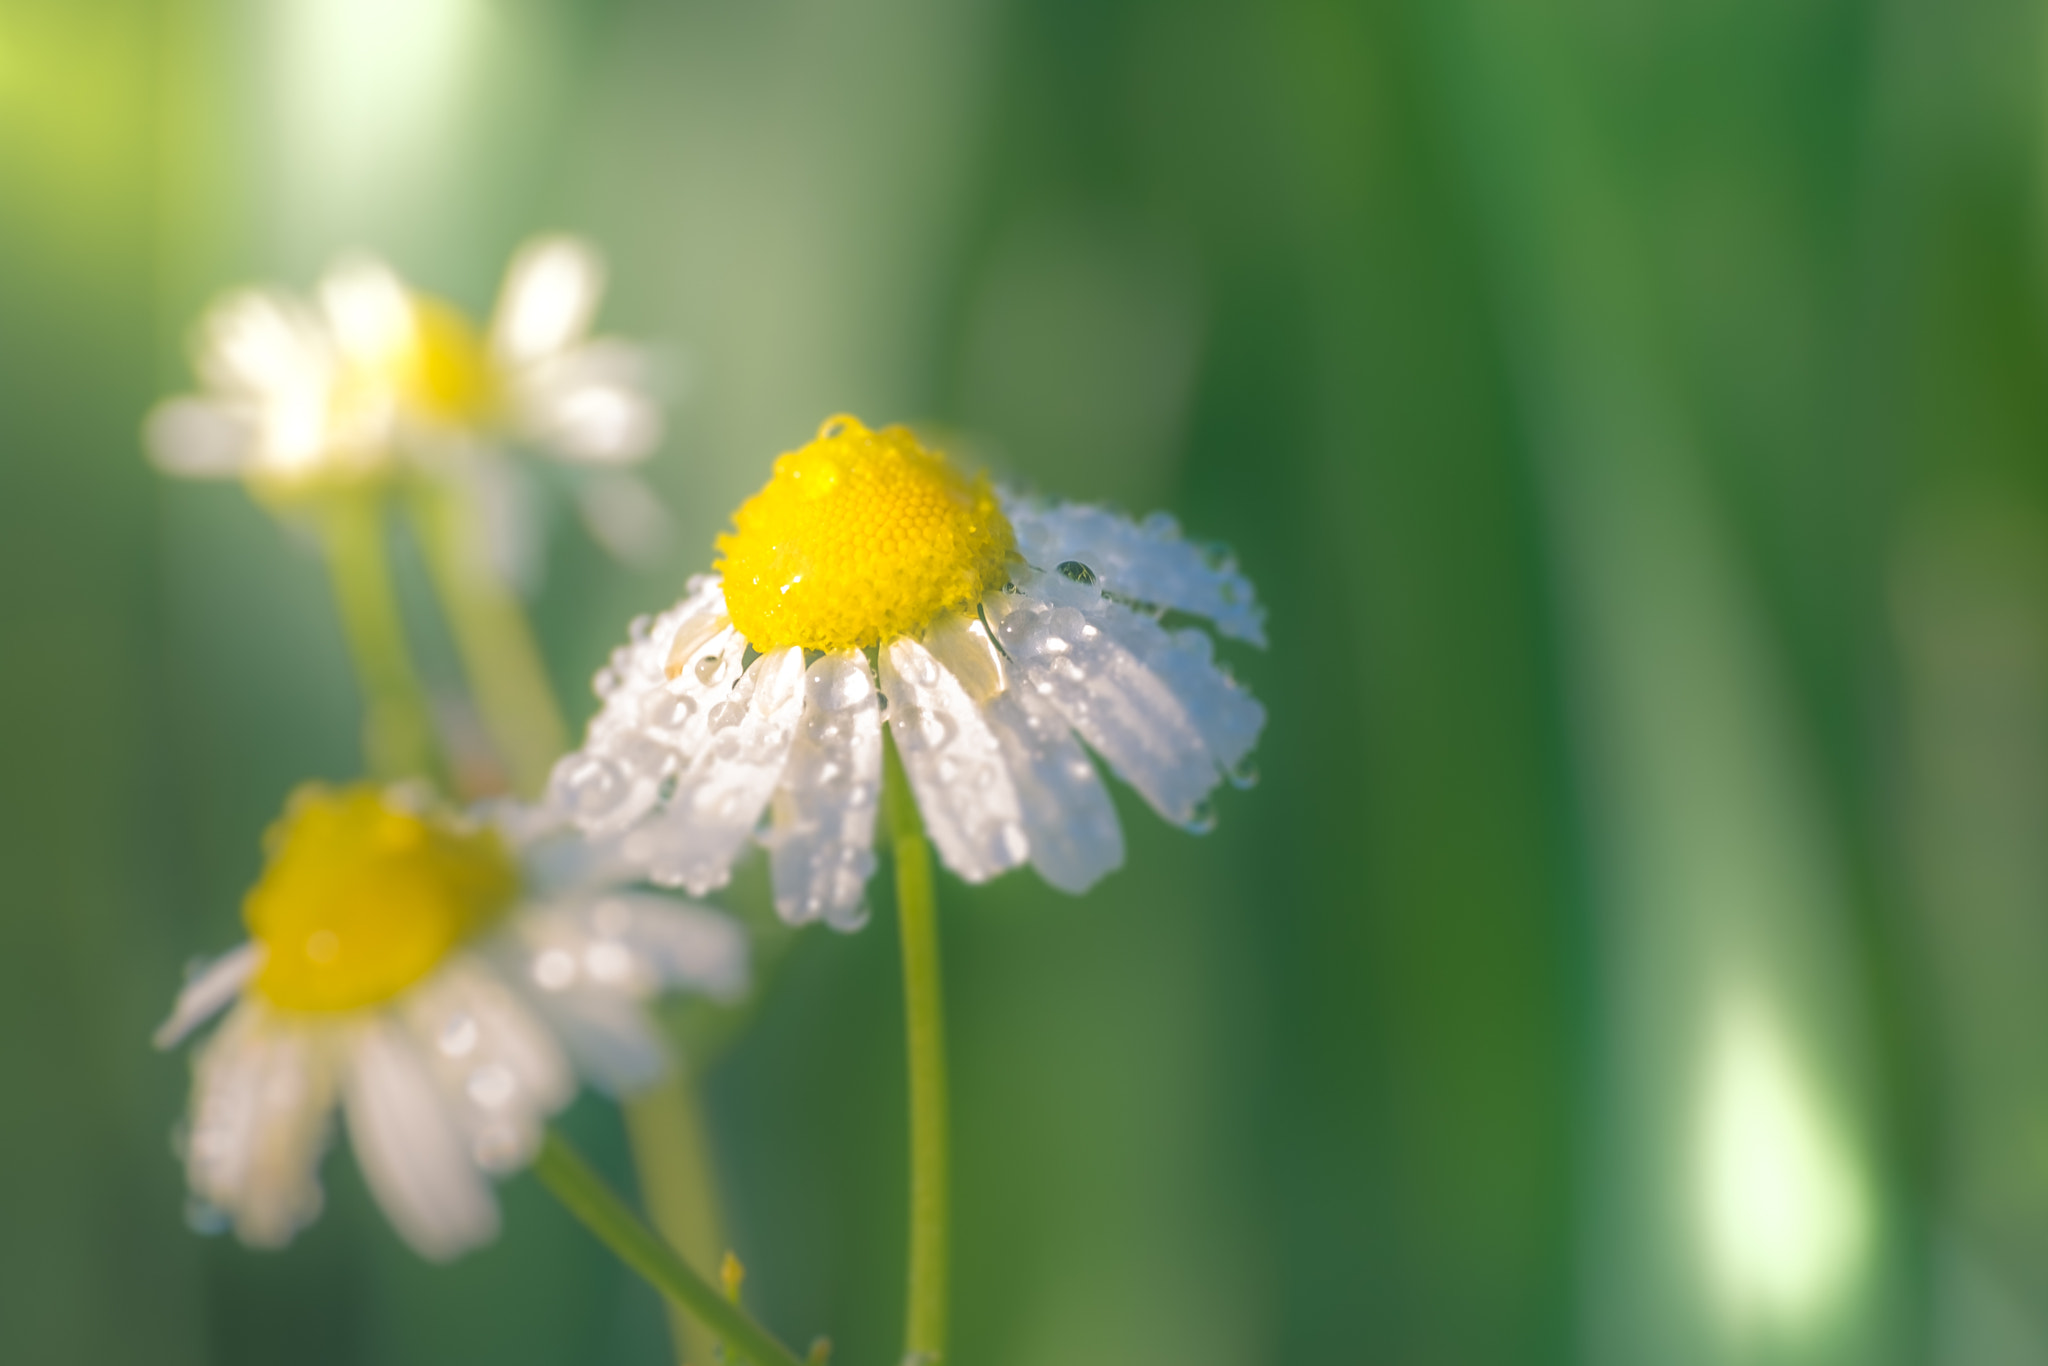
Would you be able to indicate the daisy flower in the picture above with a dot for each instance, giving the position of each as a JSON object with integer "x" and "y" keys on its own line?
{"x": 995, "y": 633}
{"x": 293, "y": 391}
{"x": 430, "y": 978}
{"x": 282, "y": 405}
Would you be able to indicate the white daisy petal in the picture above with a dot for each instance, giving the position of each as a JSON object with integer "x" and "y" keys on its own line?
{"x": 498, "y": 1063}
{"x": 208, "y": 992}
{"x": 954, "y": 764}
{"x": 198, "y": 438}
{"x": 727, "y": 780}
{"x": 550, "y": 295}
{"x": 1068, "y": 817}
{"x": 368, "y": 311}
{"x": 258, "y": 343}
{"x": 592, "y": 404}
{"x": 614, "y": 1043}
{"x": 262, "y": 1093}
{"x": 650, "y": 723}
{"x": 1127, "y": 713}
{"x": 821, "y": 850}
{"x": 1146, "y": 561}
{"x": 411, "y": 1149}
{"x": 1228, "y": 718}
{"x": 634, "y": 943}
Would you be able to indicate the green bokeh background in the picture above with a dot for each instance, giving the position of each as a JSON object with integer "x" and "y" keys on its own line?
{"x": 1634, "y": 417}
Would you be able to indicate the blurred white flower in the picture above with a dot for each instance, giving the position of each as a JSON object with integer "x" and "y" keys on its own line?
{"x": 999, "y": 629}
{"x": 585, "y": 398}
{"x": 295, "y": 395}
{"x": 430, "y": 978}
{"x": 279, "y": 405}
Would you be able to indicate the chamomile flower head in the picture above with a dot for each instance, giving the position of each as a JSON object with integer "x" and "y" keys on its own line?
{"x": 869, "y": 580}
{"x": 281, "y": 405}
{"x": 297, "y": 394}
{"x": 433, "y": 980}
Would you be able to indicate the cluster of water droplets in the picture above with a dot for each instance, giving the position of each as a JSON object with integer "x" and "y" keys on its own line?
{"x": 495, "y": 1062}
{"x": 953, "y": 760}
{"x": 1153, "y": 702}
{"x": 1147, "y": 561}
{"x": 821, "y": 849}
{"x": 723, "y": 774}
{"x": 261, "y": 1094}
{"x": 648, "y": 722}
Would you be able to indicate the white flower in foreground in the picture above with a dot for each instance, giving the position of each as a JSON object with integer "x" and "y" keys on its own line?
{"x": 294, "y": 392}
{"x": 998, "y": 630}
{"x": 411, "y": 970}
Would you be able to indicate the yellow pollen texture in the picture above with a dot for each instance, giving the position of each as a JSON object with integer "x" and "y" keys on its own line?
{"x": 860, "y": 537}
{"x": 360, "y": 898}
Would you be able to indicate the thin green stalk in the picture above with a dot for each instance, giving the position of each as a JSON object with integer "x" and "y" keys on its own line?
{"x": 584, "y": 1193}
{"x": 518, "y": 707}
{"x": 673, "y": 1157}
{"x": 503, "y": 664}
{"x": 924, "y": 1015}
{"x": 398, "y": 732}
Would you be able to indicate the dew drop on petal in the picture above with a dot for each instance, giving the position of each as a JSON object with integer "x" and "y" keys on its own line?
{"x": 458, "y": 1036}
{"x": 492, "y": 1086}
{"x": 554, "y": 970}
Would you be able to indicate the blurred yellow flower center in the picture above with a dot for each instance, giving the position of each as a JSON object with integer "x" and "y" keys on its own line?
{"x": 361, "y": 899}
{"x": 860, "y": 537}
{"x": 444, "y": 372}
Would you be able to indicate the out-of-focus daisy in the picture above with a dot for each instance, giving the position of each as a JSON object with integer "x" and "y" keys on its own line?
{"x": 421, "y": 973}
{"x": 293, "y": 391}
{"x": 281, "y": 405}
{"x": 999, "y": 629}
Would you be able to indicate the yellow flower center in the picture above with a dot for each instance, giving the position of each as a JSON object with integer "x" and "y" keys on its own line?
{"x": 858, "y": 538}
{"x": 360, "y": 899}
{"x": 444, "y": 372}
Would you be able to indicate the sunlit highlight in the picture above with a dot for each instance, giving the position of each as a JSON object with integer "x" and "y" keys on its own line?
{"x": 1783, "y": 1205}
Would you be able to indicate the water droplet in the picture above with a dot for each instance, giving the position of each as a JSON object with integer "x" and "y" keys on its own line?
{"x": 554, "y": 970}
{"x": 492, "y": 1086}
{"x": 608, "y": 961}
{"x": 498, "y": 1148}
{"x": 665, "y": 710}
{"x": 1244, "y": 775}
{"x": 1202, "y": 821}
{"x": 836, "y": 684}
{"x": 726, "y": 715}
{"x": 1075, "y": 570}
{"x": 589, "y": 785}
{"x": 458, "y": 1036}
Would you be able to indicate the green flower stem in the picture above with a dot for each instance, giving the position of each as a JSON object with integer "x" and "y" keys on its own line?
{"x": 503, "y": 664}
{"x": 564, "y": 1172}
{"x": 517, "y": 704}
{"x": 925, "y": 1027}
{"x": 673, "y": 1157}
{"x": 398, "y": 731}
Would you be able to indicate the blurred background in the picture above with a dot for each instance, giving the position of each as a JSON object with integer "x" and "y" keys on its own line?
{"x": 1634, "y": 417}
